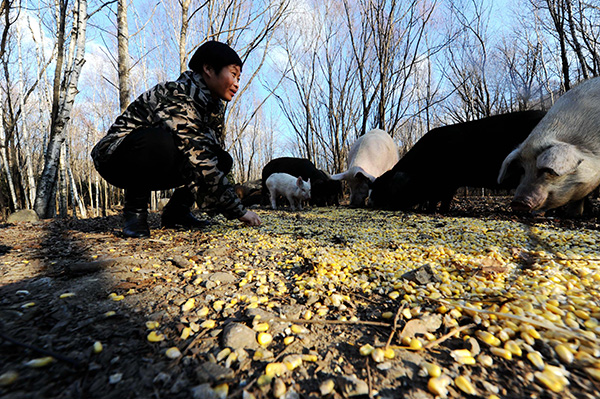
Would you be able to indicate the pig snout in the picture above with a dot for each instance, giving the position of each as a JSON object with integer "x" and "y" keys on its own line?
{"x": 520, "y": 206}
{"x": 529, "y": 199}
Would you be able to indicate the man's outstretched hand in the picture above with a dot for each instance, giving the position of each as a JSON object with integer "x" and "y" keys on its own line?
{"x": 250, "y": 219}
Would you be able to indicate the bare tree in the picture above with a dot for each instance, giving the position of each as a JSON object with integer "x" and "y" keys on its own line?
{"x": 123, "y": 46}
{"x": 65, "y": 89}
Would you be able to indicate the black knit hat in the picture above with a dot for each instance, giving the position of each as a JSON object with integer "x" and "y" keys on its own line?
{"x": 214, "y": 54}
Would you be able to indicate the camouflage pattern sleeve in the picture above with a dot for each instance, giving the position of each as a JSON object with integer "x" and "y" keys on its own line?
{"x": 208, "y": 183}
{"x": 197, "y": 125}
{"x": 186, "y": 108}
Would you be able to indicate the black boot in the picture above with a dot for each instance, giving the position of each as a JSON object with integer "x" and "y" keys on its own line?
{"x": 135, "y": 213}
{"x": 177, "y": 211}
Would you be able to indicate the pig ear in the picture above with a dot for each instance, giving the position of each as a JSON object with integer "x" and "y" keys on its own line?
{"x": 560, "y": 159}
{"x": 508, "y": 161}
{"x": 339, "y": 176}
{"x": 362, "y": 174}
{"x": 299, "y": 181}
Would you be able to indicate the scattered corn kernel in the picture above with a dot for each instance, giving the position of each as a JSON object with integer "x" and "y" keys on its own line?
{"x": 292, "y": 361}
{"x": 261, "y": 327}
{"x": 97, "y": 347}
{"x": 8, "y": 378}
{"x": 151, "y": 325}
{"x": 223, "y": 354}
{"x": 185, "y": 333}
{"x": 416, "y": 344}
{"x": 221, "y": 391}
{"x": 536, "y": 359}
{"x": 465, "y": 385}
{"x": 264, "y": 338}
{"x": 188, "y": 305}
{"x": 488, "y": 338}
{"x": 389, "y": 353}
{"x": 432, "y": 369}
{"x": 154, "y": 337}
{"x": 296, "y": 329}
{"x": 40, "y": 362}
{"x": 439, "y": 385}
{"x": 203, "y": 312}
{"x": 208, "y": 324}
{"x": 173, "y": 353}
{"x": 366, "y": 349}
{"x": 387, "y": 315}
{"x": 275, "y": 369}
{"x": 501, "y": 352}
{"x": 513, "y": 347}
{"x": 564, "y": 353}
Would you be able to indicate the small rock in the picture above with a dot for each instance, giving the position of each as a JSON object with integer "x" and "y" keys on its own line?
{"x": 203, "y": 391}
{"x": 213, "y": 372}
{"x": 180, "y": 262}
{"x": 239, "y": 336}
{"x": 351, "y": 386}
{"x": 24, "y": 215}
{"x": 264, "y": 315}
{"x": 115, "y": 378}
{"x": 217, "y": 252}
{"x": 222, "y": 278}
{"x": 162, "y": 378}
{"x": 422, "y": 275}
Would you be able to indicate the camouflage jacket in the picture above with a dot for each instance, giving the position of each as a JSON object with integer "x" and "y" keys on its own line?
{"x": 196, "y": 119}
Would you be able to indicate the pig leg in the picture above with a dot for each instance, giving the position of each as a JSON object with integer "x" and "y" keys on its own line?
{"x": 292, "y": 202}
{"x": 274, "y": 199}
{"x": 446, "y": 200}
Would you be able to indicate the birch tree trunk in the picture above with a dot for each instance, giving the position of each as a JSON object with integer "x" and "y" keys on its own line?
{"x": 29, "y": 185}
{"x": 63, "y": 198}
{"x": 123, "y": 44}
{"x": 74, "y": 192}
{"x": 4, "y": 159}
{"x": 64, "y": 96}
{"x": 185, "y": 5}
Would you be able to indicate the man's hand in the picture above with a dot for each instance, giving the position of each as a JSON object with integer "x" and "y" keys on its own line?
{"x": 250, "y": 219}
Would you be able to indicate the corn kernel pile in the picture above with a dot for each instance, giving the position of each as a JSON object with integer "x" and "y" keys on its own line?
{"x": 518, "y": 283}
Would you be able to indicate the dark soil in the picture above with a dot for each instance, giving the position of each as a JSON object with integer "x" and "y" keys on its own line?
{"x": 41, "y": 261}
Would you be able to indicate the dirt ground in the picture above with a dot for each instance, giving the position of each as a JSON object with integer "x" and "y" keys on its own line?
{"x": 325, "y": 283}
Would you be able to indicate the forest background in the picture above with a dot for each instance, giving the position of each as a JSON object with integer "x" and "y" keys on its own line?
{"x": 318, "y": 74}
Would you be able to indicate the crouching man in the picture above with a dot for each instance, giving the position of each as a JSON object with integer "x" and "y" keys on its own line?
{"x": 172, "y": 136}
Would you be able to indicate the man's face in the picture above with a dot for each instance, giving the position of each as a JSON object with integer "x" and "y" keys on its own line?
{"x": 225, "y": 84}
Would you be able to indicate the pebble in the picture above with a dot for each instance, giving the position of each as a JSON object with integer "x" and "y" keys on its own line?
{"x": 238, "y": 336}
{"x": 203, "y": 391}
{"x": 213, "y": 372}
{"x": 222, "y": 278}
{"x": 422, "y": 275}
{"x": 351, "y": 386}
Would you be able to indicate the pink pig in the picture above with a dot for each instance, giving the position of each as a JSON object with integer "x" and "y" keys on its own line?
{"x": 294, "y": 189}
{"x": 560, "y": 159}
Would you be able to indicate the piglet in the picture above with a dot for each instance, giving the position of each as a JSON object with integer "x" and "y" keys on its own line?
{"x": 294, "y": 189}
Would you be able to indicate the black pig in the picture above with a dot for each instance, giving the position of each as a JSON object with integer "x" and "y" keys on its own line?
{"x": 465, "y": 154}
{"x": 324, "y": 191}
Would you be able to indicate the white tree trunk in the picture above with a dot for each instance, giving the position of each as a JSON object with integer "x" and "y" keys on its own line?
{"x": 63, "y": 197}
{"x": 77, "y": 203}
{"x": 4, "y": 159}
{"x": 29, "y": 187}
{"x": 123, "y": 51}
{"x": 67, "y": 95}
